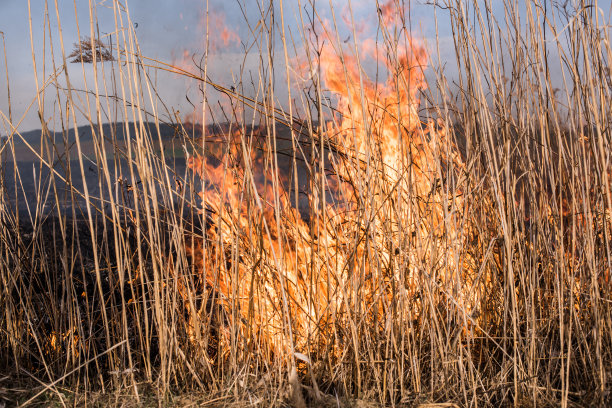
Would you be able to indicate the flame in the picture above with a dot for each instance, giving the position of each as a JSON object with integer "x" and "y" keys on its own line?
{"x": 217, "y": 24}
{"x": 213, "y": 33}
{"x": 216, "y": 36}
{"x": 63, "y": 343}
{"x": 289, "y": 279}
{"x": 228, "y": 36}
{"x": 269, "y": 265}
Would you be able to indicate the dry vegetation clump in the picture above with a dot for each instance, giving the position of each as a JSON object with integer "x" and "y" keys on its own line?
{"x": 85, "y": 51}
{"x": 388, "y": 240}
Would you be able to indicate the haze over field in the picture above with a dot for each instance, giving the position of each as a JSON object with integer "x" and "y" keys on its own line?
{"x": 174, "y": 32}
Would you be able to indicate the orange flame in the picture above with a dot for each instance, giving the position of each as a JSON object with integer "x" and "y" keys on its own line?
{"x": 217, "y": 37}
{"x": 290, "y": 279}
{"x": 217, "y": 24}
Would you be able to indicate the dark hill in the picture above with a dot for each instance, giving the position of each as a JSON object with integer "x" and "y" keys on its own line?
{"x": 115, "y": 131}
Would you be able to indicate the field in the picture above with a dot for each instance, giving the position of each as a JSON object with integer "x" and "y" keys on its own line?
{"x": 346, "y": 225}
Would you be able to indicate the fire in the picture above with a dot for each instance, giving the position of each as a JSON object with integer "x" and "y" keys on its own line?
{"x": 288, "y": 278}
{"x": 212, "y": 33}
{"x": 385, "y": 138}
{"x": 66, "y": 343}
{"x": 268, "y": 265}
{"x": 218, "y": 24}
{"x": 215, "y": 37}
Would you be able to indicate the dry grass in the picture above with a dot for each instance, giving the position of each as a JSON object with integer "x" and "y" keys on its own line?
{"x": 368, "y": 242}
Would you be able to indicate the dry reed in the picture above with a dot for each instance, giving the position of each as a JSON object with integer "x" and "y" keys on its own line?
{"x": 395, "y": 241}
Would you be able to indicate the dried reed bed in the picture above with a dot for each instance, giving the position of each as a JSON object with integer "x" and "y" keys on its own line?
{"x": 369, "y": 241}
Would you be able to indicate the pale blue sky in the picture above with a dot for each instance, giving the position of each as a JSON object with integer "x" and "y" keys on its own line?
{"x": 167, "y": 28}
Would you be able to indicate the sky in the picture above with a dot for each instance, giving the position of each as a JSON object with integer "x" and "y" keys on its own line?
{"x": 172, "y": 31}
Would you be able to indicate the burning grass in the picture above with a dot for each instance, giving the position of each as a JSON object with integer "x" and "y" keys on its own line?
{"x": 387, "y": 241}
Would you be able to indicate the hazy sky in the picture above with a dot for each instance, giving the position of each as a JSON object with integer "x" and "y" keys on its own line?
{"x": 168, "y": 30}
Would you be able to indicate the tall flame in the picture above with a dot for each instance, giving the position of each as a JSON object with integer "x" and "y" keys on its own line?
{"x": 289, "y": 278}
